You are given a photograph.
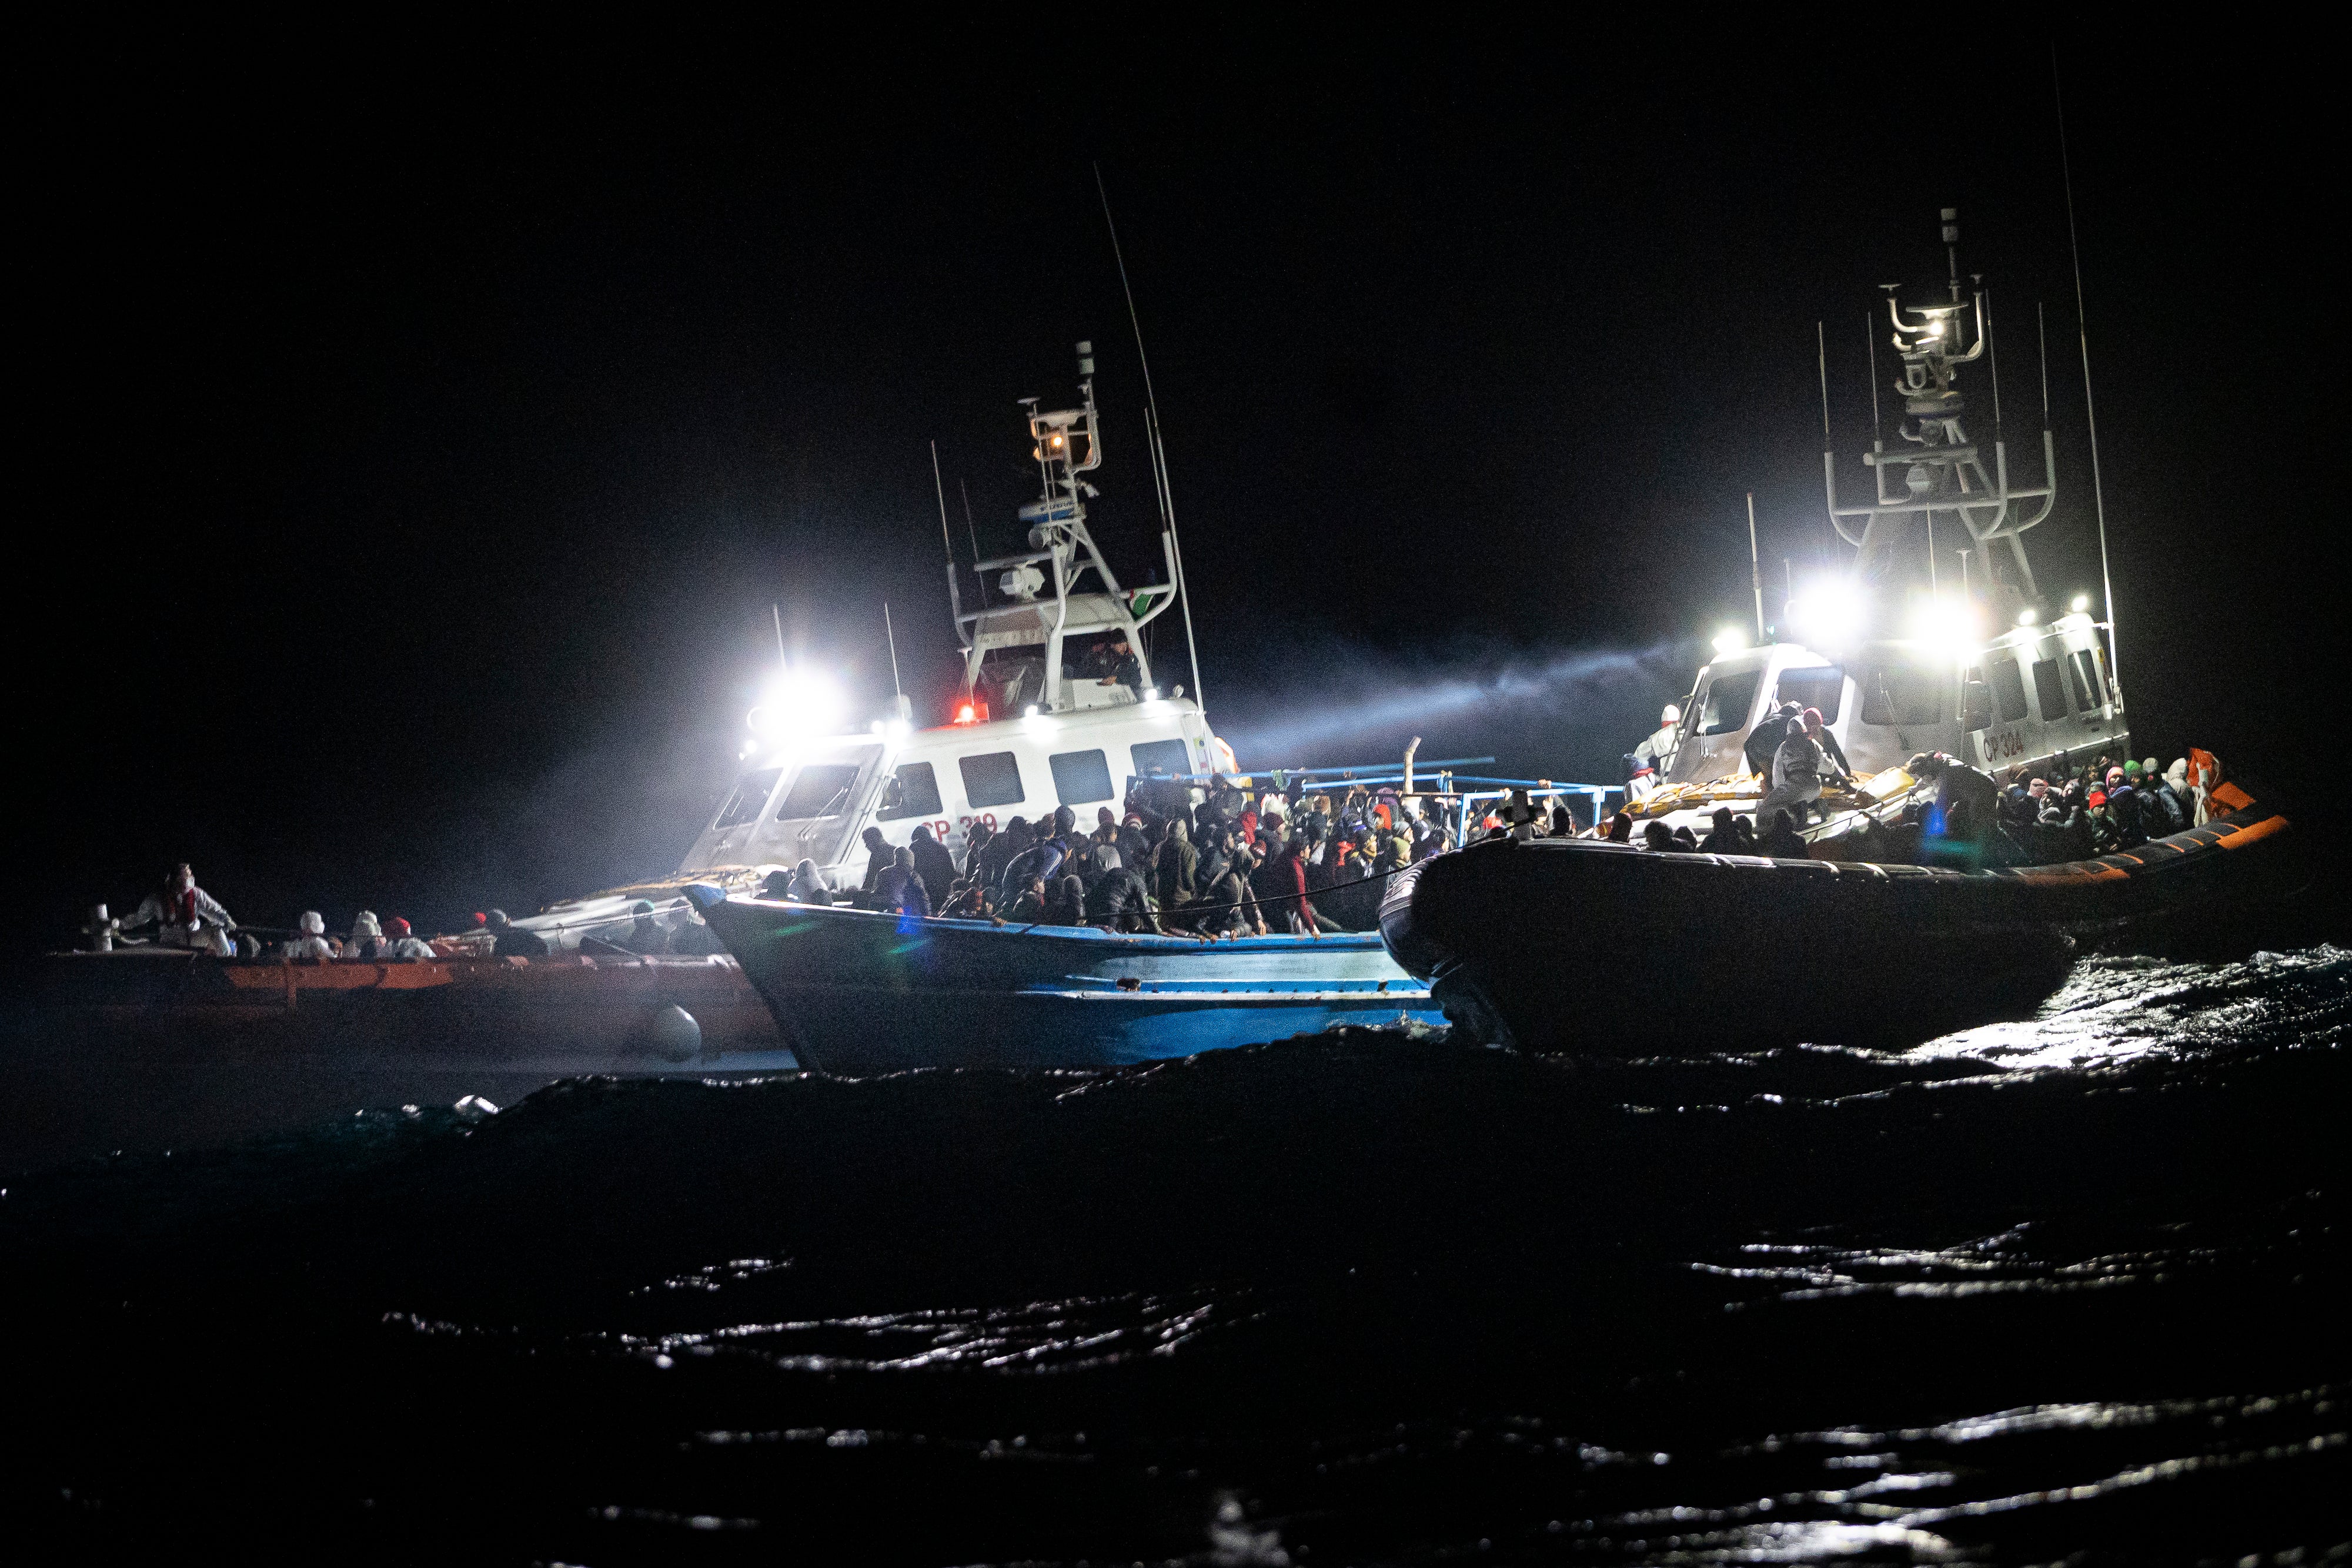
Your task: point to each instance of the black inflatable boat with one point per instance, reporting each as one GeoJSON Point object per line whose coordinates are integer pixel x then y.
{"type": "Point", "coordinates": [1579, 945]}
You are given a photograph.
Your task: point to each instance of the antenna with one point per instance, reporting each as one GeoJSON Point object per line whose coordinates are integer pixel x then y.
{"type": "Point", "coordinates": [777, 610]}
{"type": "Point", "coordinates": [892, 635]}
{"type": "Point", "coordinates": [1755, 571]}
{"type": "Point", "coordinates": [2090, 414]}
{"type": "Point", "coordinates": [1992, 347]}
{"type": "Point", "coordinates": [2041, 357]}
{"type": "Point", "coordinates": [1821, 349]}
{"type": "Point", "coordinates": [1877, 428]}
{"type": "Point", "coordinates": [1159, 449]}
{"type": "Point", "coordinates": [972, 530]}
{"type": "Point", "coordinates": [955, 594]}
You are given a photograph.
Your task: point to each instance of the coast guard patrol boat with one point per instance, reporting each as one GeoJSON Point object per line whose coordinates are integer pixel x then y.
{"type": "Point", "coordinates": [2040, 690]}
{"type": "Point", "coordinates": [1028, 732]}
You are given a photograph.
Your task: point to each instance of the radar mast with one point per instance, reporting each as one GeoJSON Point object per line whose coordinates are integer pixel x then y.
{"type": "Point", "coordinates": [1937, 471]}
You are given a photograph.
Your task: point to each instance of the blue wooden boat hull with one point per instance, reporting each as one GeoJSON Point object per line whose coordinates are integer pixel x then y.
{"type": "Point", "coordinates": [857, 992]}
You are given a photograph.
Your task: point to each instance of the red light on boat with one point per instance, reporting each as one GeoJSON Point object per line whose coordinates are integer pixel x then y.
{"type": "Point", "coordinates": [973, 713]}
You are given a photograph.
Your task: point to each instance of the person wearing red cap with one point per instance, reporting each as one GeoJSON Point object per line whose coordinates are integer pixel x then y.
{"type": "Point", "coordinates": [403, 946]}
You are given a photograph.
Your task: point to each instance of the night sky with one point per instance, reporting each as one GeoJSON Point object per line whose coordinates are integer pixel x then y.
{"type": "Point", "coordinates": [417, 449]}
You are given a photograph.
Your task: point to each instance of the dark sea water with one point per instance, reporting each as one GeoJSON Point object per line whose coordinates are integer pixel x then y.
{"type": "Point", "coordinates": [2068, 1289]}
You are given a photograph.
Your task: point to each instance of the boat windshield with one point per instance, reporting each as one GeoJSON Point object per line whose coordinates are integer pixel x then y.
{"type": "Point", "coordinates": [822, 789]}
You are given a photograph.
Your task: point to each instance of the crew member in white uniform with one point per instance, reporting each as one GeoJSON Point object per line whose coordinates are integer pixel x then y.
{"type": "Point", "coordinates": [1655, 756]}
{"type": "Point", "coordinates": [186, 916]}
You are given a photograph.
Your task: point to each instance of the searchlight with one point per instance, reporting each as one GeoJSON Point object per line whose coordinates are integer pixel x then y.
{"type": "Point", "coordinates": [1730, 640]}
{"type": "Point", "coordinates": [2081, 605]}
{"type": "Point", "coordinates": [1828, 614]}
{"type": "Point", "coordinates": [799, 705]}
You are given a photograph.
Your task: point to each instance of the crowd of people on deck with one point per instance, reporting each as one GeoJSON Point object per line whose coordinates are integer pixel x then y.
{"type": "Point", "coordinates": [1238, 861]}
{"type": "Point", "coordinates": [2033, 817]}
{"type": "Point", "coordinates": [181, 914]}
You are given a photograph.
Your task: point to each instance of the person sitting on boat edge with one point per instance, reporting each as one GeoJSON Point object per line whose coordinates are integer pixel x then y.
{"type": "Point", "coordinates": [310, 943]}
{"type": "Point", "coordinates": [1227, 907]}
{"type": "Point", "coordinates": [1026, 907]}
{"type": "Point", "coordinates": [879, 860]}
{"type": "Point", "coordinates": [401, 944]}
{"type": "Point", "coordinates": [1955, 780]}
{"type": "Point", "coordinates": [645, 936]}
{"type": "Point", "coordinates": [366, 939]}
{"type": "Point", "coordinates": [932, 862]}
{"type": "Point", "coordinates": [185, 915]}
{"type": "Point", "coordinates": [1120, 901]}
{"type": "Point", "coordinates": [1065, 902]}
{"type": "Point", "coordinates": [1723, 839]}
{"type": "Point", "coordinates": [511, 941]}
{"type": "Point", "coordinates": [898, 891]}
{"type": "Point", "coordinates": [1781, 841]}
{"type": "Point", "coordinates": [692, 936]}
{"type": "Point", "coordinates": [2173, 795]}
{"type": "Point", "coordinates": [807, 885]}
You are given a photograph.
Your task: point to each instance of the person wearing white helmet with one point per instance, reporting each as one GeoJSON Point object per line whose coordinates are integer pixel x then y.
{"type": "Point", "coordinates": [366, 940]}
{"type": "Point", "coordinates": [1655, 756]}
{"type": "Point", "coordinates": [309, 945]}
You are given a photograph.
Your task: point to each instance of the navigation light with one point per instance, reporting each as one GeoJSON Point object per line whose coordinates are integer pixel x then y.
{"type": "Point", "coordinates": [2027, 617]}
{"type": "Point", "coordinates": [2082, 604]}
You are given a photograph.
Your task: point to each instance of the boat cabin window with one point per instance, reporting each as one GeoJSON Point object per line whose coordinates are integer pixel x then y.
{"type": "Point", "coordinates": [1902, 694]}
{"type": "Point", "coordinates": [2049, 691]}
{"type": "Point", "coordinates": [2089, 690]}
{"type": "Point", "coordinates": [2009, 690]}
{"type": "Point", "coordinates": [1816, 688]}
{"type": "Point", "coordinates": [913, 792]}
{"type": "Point", "coordinates": [750, 793]}
{"type": "Point", "coordinates": [990, 778]}
{"type": "Point", "coordinates": [1080, 778]}
{"type": "Point", "coordinates": [1728, 698]}
{"type": "Point", "coordinates": [1165, 757]}
{"type": "Point", "coordinates": [821, 791]}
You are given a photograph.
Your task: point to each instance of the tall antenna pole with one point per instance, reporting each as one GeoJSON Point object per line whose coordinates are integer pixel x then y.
{"type": "Point", "coordinates": [1755, 571]}
{"type": "Point", "coordinates": [1159, 450]}
{"type": "Point", "coordinates": [1821, 349]}
{"type": "Point", "coordinates": [971, 529]}
{"type": "Point", "coordinates": [777, 610]}
{"type": "Point", "coordinates": [888, 630]}
{"type": "Point", "coordinates": [2090, 414]}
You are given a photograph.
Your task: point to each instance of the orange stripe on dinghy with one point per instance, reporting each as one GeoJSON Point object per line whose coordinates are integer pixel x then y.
{"type": "Point", "coordinates": [2230, 795]}
{"type": "Point", "coordinates": [2251, 833]}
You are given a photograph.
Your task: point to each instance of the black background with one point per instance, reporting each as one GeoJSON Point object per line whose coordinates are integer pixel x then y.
{"type": "Point", "coordinates": [415, 431]}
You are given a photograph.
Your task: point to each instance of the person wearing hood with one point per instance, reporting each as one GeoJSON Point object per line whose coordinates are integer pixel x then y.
{"type": "Point", "coordinates": [975, 848]}
{"type": "Point", "coordinates": [401, 944]}
{"type": "Point", "coordinates": [1173, 868]}
{"type": "Point", "coordinates": [366, 939]}
{"type": "Point", "coordinates": [645, 936]}
{"type": "Point", "coordinates": [1041, 861]}
{"type": "Point", "coordinates": [309, 943]}
{"type": "Point", "coordinates": [878, 859]}
{"type": "Point", "coordinates": [1655, 757]}
{"type": "Point", "coordinates": [807, 885]}
{"type": "Point", "coordinates": [933, 864]}
{"type": "Point", "coordinates": [2172, 798]}
{"type": "Point", "coordinates": [1120, 901]}
{"type": "Point", "coordinates": [1797, 766]}
{"type": "Point", "coordinates": [511, 941]}
{"type": "Point", "coordinates": [185, 915]}
{"type": "Point", "coordinates": [1002, 846]}
{"type": "Point", "coordinates": [1957, 781]}
{"type": "Point", "coordinates": [899, 890]}
{"type": "Point", "coordinates": [1227, 906]}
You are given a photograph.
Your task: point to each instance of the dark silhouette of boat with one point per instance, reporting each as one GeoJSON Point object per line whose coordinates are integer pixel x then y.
{"type": "Point", "coordinates": [1581, 945]}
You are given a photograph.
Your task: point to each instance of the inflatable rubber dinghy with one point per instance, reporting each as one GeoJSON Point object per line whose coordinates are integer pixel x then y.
{"type": "Point", "coordinates": [1574, 944]}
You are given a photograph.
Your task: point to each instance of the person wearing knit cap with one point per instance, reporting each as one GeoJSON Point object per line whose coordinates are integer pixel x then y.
{"type": "Point", "coordinates": [403, 946]}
